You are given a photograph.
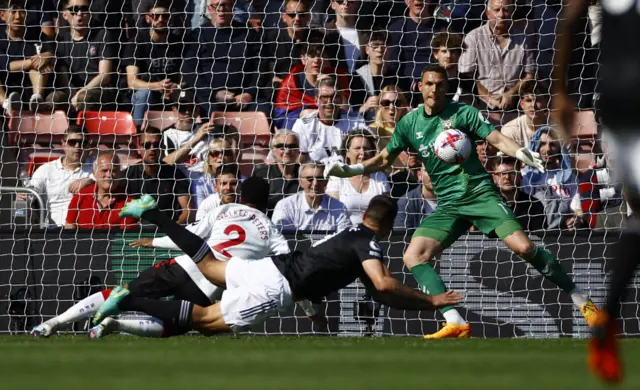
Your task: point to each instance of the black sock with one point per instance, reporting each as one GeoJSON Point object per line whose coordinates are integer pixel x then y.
{"type": "Point", "coordinates": [624, 265]}
{"type": "Point", "coordinates": [194, 246]}
{"type": "Point", "coordinates": [173, 312]}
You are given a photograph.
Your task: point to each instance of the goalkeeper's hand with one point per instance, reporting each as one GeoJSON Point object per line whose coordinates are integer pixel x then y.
{"type": "Point", "coordinates": [530, 158]}
{"type": "Point", "coordinates": [339, 169]}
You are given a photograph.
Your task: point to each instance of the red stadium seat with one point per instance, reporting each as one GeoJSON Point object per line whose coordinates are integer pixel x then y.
{"type": "Point", "coordinates": [29, 127]}
{"type": "Point", "coordinates": [250, 158]}
{"type": "Point", "coordinates": [110, 127]}
{"type": "Point", "coordinates": [253, 127]}
{"type": "Point", "coordinates": [35, 161]}
{"type": "Point", "coordinates": [160, 119]}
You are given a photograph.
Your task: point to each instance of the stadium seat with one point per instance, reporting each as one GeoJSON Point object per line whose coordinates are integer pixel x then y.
{"type": "Point", "coordinates": [36, 160]}
{"type": "Point", "coordinates": [253, 127]}
{"type": "Point", "coordinates": [110, 127]}
{"type": "Point", "coordinates": [251, 158]}
{"type": "Point", "coordinates": [29, 128]}
{"type": "Point", "coordinates": [160, 119]}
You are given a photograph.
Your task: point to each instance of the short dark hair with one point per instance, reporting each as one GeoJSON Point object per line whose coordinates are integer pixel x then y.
{"type": "Point", "coordinates": [498, 160]}
{"type": "Point", "coordinates": [448, 40]}
{"type": "Point", "coordinates": [380, 36]}
{"type": "Point", "coordinates": [436, 68]}
{"type": "Point", "coordinates": [228, 169]}
{"type": "Point", "coordinates": [535, 88]}
{"type": "Point", "coordinates": [74, 129]}
{"type": "Point", "coordinates": [151, 130]}
{"type": "Point", "coordinates": [255, 192]}
{"type": "Point", "coordinates": [159, 4]}
{"type": "Point", "coordinates": [13, 4]}
{"type": "Point", "coordinates": [382, 210]}
{"type": "Point", "coordinates": [305, 3]}
{"type": "Point", "coordinates": [313, 49]}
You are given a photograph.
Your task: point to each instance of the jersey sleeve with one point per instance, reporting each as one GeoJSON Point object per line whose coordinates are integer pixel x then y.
{"type": "Point", "coordinates": [278, 245]}
{"type": "Point", "coordinates": [475, 124]}
{"type": "Point", "coordinates": [298, 128]}
{"type": "Point", "coordinates": [368, 249]}
{"type": "Point", "coordinates": [205, 207]}
{"type": "Point", "coordinates": [399, 140]}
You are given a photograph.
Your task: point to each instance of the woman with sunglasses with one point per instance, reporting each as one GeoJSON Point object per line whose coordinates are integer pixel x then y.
{"type": "Point", "coordinates": [356, 192]}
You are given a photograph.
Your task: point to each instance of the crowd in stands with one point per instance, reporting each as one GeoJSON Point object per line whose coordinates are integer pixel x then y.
{"type": "Point", "coordinates": [333, 78]}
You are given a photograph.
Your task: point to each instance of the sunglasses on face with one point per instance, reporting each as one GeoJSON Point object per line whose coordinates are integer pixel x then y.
{"type": "Point", "coordinates": [388, 103]}
{"type": "Point", "coordinates": [76, 142]}
{"type": "Point", "coordinates": [312, 178]}
{"type": "Point", "coordinates": [293, 15]}
{"type": "Point", "coordinates": [220, 6]}
{"type": "Point", "coordinates": [158, 15]}
{"type": "Point", "coordinates": [151, 145]}
{"type": "Point", "coordinates": [76, 9]}
{"type": "Point", "coordinates": [285, 146]}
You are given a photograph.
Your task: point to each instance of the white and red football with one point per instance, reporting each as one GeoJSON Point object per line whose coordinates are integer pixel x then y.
{"type": "Point", "coordinates": [452, 146]}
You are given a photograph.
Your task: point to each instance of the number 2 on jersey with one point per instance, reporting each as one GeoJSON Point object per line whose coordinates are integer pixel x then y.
{"type": "Point", "coordinates": [221, 247]}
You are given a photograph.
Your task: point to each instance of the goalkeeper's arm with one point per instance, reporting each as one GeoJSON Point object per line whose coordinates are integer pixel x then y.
{"type": "Point", "coordinates": [379, 162]}
{"type": "Point", "coordinates": [391, 292]}
{"type": "Point", "coordinates": [511, 148]}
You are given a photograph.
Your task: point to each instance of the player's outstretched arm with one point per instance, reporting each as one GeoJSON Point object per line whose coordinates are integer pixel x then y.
{"type": "Point", "coordinates": [391, 292]}
{"type": "Point", "coordinates": [379, 162]}
{"type": "Point", "coordinates": [511, 148]}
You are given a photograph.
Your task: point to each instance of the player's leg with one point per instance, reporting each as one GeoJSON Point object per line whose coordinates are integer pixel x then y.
{"type": "Point", "coordinates": [436, 233]}
{"type": "Point", "coordinates": [80, 311]}
{"type": "Point", "coordinates": [491, 216]}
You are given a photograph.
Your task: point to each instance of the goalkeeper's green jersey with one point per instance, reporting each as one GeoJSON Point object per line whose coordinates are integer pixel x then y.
{"type": "Point", "coordinates": [419, 131]}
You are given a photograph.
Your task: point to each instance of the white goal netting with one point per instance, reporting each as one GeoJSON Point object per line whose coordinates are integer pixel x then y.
{"type": "Point", "coordinates": [106, 100]}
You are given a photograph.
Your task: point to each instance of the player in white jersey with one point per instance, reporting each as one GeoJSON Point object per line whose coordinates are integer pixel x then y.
{"type": "Point", "coordinates": [231, 230]}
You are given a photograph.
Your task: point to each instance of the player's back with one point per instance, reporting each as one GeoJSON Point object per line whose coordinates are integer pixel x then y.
{"type": "Point", "coordinates": [242, 231]}
{"type": "Point", "coordinates": [620, 57]}
{"type": "Point", "coordinates": [330, 264]}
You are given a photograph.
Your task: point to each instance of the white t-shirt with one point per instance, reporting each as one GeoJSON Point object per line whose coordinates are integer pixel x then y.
{"type": "Point", "coordinates": [52, 181]}
{"type": "Point", "coordinates": [518, 130]}
{"type": "Point", "coordinates": [207, 206]}
{"type": "Point", "coordinates": [351, 44]}
{"type": "Point", "coordinates": [197, 155]}
{"type": "Point", "coordinates": [294, 213]}
{"type": "Point", "coordinates": [356, 202]}
{"type": "Point", "coordinates": [318, 139]}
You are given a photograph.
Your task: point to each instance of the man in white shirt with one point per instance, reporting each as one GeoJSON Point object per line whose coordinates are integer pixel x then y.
{"type": "Point", "coordinates": [534, 101]}
{"type": "Point", "coordinates": [226, 186]}
{"type": "Point", "coordinates": [321, 132]}
{"type": "Point", "coordinates": [351, 41]}
{"type": "Point", "coordinates": [311, 209]}
{"type": "Point", "coordinates": [58, 180]}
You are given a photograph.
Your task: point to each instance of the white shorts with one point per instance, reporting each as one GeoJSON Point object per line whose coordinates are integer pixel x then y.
{"type": "Point", "coordinates": [256, 290]}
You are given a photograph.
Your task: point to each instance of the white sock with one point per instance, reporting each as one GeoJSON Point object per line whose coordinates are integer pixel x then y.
{"type": "Point", "coordinates": [453, 317]}
{"type": "Point", "coordinates": [81, 310]}
{"type": "Point", "coordinates": [152, 327]}
{"type": "Point", "coordinates": [579, 297]}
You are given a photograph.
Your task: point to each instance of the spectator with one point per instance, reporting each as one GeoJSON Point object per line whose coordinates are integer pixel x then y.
{"type": "Point", "coordinates": [86, 59]}
{"type": "Point", "coordinates": [41, 17]}
{"type": "Point", "coordinates": [557, 187]}
{"type": "Point", "coordinates": [26, 59]}
{"type": "Point", "coordinates": [285, 43]}
{"type": "Point", "coordinates": [311, 209]}
{"type": "Point", "coordinates": [153, 61]}
{"type": "Point", "coordinates": [166, 183]}
{"type": "Point", "coordinates": [356, 192]}
{"type": "Point", "coordinates": [370, 79]}
{"type": "Point", "coordinates": [527, 210]}
{"type": "Point", "coordinates": [227, 178]}
{"type": "Point", "coordinates": [224, 62]}
{"type": "Point", "coordinates": [298, 89]}
{"type": "Point", "coordinates": [320, 133]}
{"type": "Point", "coordinates": [498, 57]}
{"type": "Point", "coordinates": [98, 205]}
{"type": "Point", "coordinates": [410, 37]}
{"type": "Point", "coordinates": [534, 101]}
{"type": "Point", "coordinates": [220, 152]}
{"type": "Point", "coordinates": [349, 41]}
{"type": "Point", "coordinates": [393, 105]}
{"type": "Point", "coordinates": [283, 174]}
{"type": "Point", "coordinates": [58, 180]}
{"type": "Point", "coordinates": [447, 49]}
{"type": "Point", "coordinates": [416, 204]}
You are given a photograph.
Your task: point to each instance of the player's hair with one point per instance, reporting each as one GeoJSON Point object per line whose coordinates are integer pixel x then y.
{"type": "Point", "coordinates": [450, 41]}
{"type": "Point", "coordinates": [228, 169]}
{"type": "Point", "coordinates": [255, 192]}
{"type": "Point", "coordinates": [534, 87]}
{"type": "Point", "coordinates": [310, 164]}
{"type": "Point", "coordinates": [159, 4]}
{"type": "Point", "coordinates": [353, 134]}
{"type": "Point", "coordinates": [436, 68]}
{"type": "Point", "coordinates": [380, 36]}
{"type": "Point", "coordinates": [382, 211]}
{"type": "Point", "coordinates": [74, 129]}
{"type": "Point", "coordinates": [283, 133]}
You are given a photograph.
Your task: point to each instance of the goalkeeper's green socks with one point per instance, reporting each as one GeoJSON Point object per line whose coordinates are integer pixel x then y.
{"type": "Point", "coordinates": [430, 282]}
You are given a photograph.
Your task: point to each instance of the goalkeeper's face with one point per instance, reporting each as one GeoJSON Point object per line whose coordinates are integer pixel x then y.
{"type": "Point", "coordinates": [434, 87]}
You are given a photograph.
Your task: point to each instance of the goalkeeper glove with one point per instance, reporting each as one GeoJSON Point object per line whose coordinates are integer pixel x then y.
{"type": "Point", "coordinates": [530, 158]}
{"type": "Point", "coordinates": [339, 169]}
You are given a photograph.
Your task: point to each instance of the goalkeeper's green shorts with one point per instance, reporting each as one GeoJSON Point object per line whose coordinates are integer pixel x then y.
{"type": "Point", "coordinates": [485, 210]}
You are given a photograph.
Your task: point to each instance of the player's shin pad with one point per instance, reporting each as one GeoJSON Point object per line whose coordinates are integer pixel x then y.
{"type": "Point", "coordinates": [550, 268]}
{"type": "Point", "coordinates": [194, 246]}
{"type": "Point", "coordinates": [174, 312]}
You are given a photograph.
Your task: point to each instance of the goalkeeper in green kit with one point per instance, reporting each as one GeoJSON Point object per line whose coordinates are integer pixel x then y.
{"type": "Point", "coordinates": [466, 196]}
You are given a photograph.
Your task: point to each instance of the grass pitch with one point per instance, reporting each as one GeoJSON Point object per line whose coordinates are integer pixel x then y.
{"type": "Point", "coordinates": [122, 362]}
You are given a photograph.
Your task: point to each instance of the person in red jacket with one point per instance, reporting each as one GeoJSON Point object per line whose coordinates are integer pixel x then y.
{"type": "Point", "coordinates": [297, 91]}
{"type": "Point", "coordinates": [98, 205]}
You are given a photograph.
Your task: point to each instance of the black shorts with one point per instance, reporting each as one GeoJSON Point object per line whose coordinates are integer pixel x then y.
{"type": "Point", "coordinates": [165, 279]}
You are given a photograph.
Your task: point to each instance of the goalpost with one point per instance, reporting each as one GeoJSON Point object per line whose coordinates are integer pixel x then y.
{"type": "Point", "coordinates": [45, 271]}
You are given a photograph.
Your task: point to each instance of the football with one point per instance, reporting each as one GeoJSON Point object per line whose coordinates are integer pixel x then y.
{"type": "Point", "coordinates": [452, 146]}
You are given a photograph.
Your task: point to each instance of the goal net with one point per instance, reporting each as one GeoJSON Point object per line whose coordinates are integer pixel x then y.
{"type": "Point", "coordinates": [106, 100]}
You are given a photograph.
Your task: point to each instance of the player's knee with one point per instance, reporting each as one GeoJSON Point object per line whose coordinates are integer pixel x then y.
{"type": "Point", "coordinates": [411, 259]}
{"type": "Point", "coordinates": [524, 249]}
